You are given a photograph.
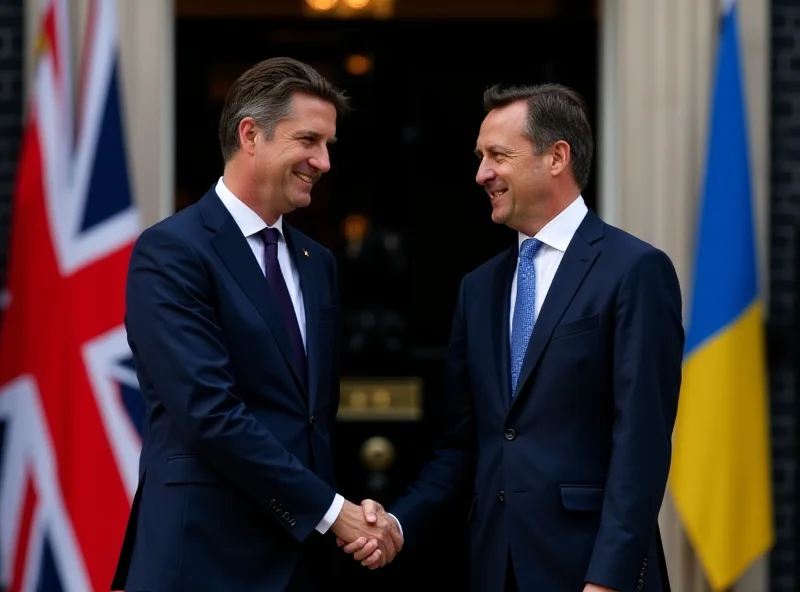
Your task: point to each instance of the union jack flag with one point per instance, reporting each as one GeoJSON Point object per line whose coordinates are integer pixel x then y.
{"type": "Point", "coordinates": [70, 410]}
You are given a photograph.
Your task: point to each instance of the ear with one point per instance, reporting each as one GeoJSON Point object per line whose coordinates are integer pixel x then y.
{"type": "Point", "coordinates": [561, 156]}
{"type": "Point", "coordinates": [248, 133]}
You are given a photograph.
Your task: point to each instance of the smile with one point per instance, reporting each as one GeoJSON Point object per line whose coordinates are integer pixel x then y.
{"type": "Point", "coordinates": [305, 178]}
{"type": "Point", "coordinates": [497, 193]}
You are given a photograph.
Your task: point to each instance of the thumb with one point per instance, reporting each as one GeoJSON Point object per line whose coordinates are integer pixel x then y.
{"type": "Point", "coordinates": [370, 509]}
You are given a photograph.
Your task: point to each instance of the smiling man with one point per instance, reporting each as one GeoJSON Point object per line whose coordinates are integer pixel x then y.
{"type": "Point", "coordinates": [232, 317]}
{"type": "Point", "coordinates": [563, 371]}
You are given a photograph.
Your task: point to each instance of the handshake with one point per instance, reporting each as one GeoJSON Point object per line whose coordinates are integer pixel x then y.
{"type": "Point", "coordinates": [368, 533]}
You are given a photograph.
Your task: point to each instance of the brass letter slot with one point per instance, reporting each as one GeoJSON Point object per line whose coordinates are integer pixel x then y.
{"type": "Point", "coordinates": [380, 399]}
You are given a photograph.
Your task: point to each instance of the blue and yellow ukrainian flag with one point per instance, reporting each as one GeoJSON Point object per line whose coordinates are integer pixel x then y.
{"type": "Point", "coordinates": [720, 478]}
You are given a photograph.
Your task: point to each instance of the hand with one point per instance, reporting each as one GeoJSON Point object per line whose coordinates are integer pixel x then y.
{"type": "Point", "coordinates": [596, 588]}
{"type": "Point", "coordinates": [373, 536]}
{"type": "Point", "coordinates": [367, 552]}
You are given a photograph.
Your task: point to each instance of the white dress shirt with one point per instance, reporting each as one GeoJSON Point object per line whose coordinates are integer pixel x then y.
{"type": "Point", "coordinates": [555, 237]}
{"type": "Point", "coordinates": [251, 224]}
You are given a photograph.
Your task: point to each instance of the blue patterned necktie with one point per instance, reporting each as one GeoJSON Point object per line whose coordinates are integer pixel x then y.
{"type": "Point", "coordinates": [522, 325]}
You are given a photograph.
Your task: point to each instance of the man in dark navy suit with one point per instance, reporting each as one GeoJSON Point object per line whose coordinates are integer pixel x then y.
{"type": "Point", "coordinates": [563, 373]}
{"type": "Point", "coordinates": [232, 320]}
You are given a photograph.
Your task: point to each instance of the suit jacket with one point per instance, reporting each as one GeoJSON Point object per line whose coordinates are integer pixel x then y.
{"type": "Point", "coordinates": [236, 468]}
{"type": "Point", "coordinates": [568, 474]}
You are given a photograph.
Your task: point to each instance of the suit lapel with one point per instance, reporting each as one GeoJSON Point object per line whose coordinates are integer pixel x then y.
{"type": "Point", "coordinates": [578, 259]}
{"type": "Point", "coordinates": [501, 295]}
{"type": "Point", "coordinates": [308, 286]}
{"type": "Point", "coordinates": [232, 247]}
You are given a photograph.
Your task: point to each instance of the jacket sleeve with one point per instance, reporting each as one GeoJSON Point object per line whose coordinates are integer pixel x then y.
{"type": "Point", "coordinates": [648, 353]}
{"type": "Point", "coordinates": [174, 334]}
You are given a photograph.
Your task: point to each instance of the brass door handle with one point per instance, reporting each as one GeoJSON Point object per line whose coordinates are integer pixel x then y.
{"type": "Point", "coordinates": [377, 453]}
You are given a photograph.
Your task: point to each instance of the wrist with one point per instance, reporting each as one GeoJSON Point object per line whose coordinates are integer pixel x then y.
{"type": "Point", "coordinates": [338, 523]}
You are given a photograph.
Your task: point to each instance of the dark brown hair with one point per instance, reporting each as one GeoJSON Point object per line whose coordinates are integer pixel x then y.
{"type": "Point", "coordinates": [555, 113]}
{"type": "Point", "coordinates": [264, 92]}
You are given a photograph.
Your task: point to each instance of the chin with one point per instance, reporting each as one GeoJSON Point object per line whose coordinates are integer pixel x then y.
{"type": "Point", "coordinates": [301, 201]}
{"type": "Point", "coordinates": [499, 216]}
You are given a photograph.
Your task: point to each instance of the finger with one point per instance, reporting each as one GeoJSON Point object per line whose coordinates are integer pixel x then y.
{"type": "Point", "coordinates": [397, 539]}
{"type": "Point", "coordinates": [355, 545]}
{"type": "Point", "coordinates": [370, 509]}
{"type": "Point", "coordinates": [366, 550]}
{"type": "Point", "coordinates": [388, 548]}
{"type": "Point", "coordinates": [385, 560]}
{"type": "Point", "coordinates": [339, 542]}
{"type": "Point", "coordinates": [390, 541]}
{"type": "Point", "coordinates": [373, 560]}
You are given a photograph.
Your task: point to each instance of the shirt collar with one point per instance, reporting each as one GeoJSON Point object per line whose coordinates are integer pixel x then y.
{"type": "Point", "coordinates": [559, 231]}
{"type": "Point", "coordinates": [246, 219]}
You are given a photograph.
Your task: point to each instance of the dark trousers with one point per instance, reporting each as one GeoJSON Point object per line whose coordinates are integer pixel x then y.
{"type": "Point", "coordinates": [318, 568]}
{"type": "Point", "coordinates": [511, 579]}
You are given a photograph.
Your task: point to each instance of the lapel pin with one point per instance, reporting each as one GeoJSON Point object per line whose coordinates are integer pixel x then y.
{"type": "Point", "coordinates": [306, 254]}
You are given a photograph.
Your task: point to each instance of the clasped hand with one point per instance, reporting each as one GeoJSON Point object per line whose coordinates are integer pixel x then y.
{"type": "Point", "coordinates": [372, 536]}
{"type": "Point", "coordinates": [368, 533]}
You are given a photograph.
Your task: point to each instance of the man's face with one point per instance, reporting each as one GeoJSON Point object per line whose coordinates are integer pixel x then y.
{"type": "Point", "coordinates": [289, 163]}
{"type": "Point", "coordinates": [515, 179]}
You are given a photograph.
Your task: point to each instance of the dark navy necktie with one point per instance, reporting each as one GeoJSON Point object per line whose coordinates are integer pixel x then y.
{"type": "Point", "coordinates": [270, 237]}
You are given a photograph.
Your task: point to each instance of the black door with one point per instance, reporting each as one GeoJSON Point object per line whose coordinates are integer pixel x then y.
{"type": "Point", "coordinates": [400, 209]}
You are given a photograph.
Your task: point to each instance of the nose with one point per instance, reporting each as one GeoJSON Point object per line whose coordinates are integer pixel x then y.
{"type": "Point", "coordinates": [321, 160]}
{"type": "Point", "coordinates": [485, 173]}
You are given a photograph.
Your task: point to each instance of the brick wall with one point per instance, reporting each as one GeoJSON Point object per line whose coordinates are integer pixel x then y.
{"type": "Point", "coordinates": [11, 38]}
{"type": "Point", "coordinates": [784, 272]}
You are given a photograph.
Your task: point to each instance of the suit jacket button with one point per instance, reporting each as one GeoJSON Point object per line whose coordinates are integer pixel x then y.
{"type": "Point", "coordinates": [510, 434]}
{"type": "Point", "coordinates": [501, 496]}
{"type": "Point", "coordinates": [312, 421]}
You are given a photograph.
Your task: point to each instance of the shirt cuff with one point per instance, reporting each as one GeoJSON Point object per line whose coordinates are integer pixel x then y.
{"type": "Point", "coordinates": [400, 526]}
{"type": "Point", "coordinates": [331, 515]}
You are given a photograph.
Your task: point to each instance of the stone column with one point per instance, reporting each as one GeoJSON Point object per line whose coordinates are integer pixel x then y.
{"type": "Point", "coordinates": [148, 97]}
{"type": "Point", "coordinates": [657, 67]}
{"type": "Point", "coordinates": [148, 54]}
